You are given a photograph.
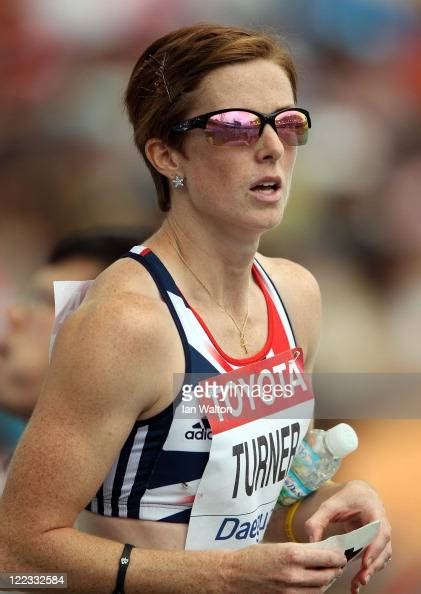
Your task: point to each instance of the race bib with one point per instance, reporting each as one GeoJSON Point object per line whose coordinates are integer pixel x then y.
{"type": "Point", "coordinates": [259, 417]}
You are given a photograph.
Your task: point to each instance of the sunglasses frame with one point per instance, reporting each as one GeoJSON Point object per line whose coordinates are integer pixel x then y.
{"type": "Point", "coordinates": [201, 121]}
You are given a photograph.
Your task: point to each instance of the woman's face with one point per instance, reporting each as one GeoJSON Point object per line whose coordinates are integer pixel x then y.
{"type": "Point", "coordinates": [220, 179]}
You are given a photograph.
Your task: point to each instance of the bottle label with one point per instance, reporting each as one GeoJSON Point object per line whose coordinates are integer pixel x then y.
{"type": "Point", "coordinates": [293, 489]}
{"type": "Point", "coordinates": [303, 464]}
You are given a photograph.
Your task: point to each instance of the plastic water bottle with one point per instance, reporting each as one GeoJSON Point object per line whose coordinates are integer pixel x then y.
{"type": "Point", "coordinates": [317, 460]}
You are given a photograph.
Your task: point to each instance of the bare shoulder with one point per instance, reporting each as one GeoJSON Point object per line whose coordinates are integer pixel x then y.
{"type": "Point", "coordinates": [127, 276]}
{"type": "Point", "coordinates": [122, 330]}
{"type": "Point", "coordinates": [292, 277]}
{"type": "Point", "coordinates": [123, 309]}
{"type": "Point", "coordinates": [300, 293]}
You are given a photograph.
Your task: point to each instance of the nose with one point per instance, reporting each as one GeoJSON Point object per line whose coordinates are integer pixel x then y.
{"type": "Point", "coordinates": [269, 145]}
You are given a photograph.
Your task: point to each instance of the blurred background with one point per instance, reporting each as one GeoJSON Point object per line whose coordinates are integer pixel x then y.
{"type": "Point", "coordinates": [67, 163]}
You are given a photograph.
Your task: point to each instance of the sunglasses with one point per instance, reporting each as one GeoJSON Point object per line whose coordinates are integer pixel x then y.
{"type": "Point", "coordinates": [243, 127]}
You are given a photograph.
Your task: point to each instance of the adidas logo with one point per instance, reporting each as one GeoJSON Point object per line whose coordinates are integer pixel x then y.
{"type": "Point", "coordinates": [200, 430]}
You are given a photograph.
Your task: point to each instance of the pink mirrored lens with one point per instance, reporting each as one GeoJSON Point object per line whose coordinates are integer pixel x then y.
{"type": "Point", "coordinates": [235, 128]}
{"type": "Point", "coordinates": [292, 127]}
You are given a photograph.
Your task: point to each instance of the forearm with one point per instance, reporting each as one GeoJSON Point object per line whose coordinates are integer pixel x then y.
{"type": "Point", "coordinates": [91, 564]}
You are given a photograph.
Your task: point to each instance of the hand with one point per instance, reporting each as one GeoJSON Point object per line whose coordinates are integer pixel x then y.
{"type": "Point", "coordinates": [284, 568]}
{"type": "Point", "coordinates": [356, 504]}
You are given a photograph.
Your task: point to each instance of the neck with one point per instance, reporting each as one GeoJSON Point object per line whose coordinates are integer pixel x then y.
{"type": "Point", "coordinates": [221, 261]}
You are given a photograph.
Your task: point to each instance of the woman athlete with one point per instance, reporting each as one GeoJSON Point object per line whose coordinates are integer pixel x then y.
{"type": "Point", "coordinates": [214, 112]}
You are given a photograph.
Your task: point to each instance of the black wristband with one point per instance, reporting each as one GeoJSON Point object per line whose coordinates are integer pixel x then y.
{"type": "Point", "coordinates": [122, 568]}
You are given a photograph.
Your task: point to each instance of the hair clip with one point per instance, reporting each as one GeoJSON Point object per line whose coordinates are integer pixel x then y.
{"type": "Point", "coordinates": [160, 85]}
{"type": "Point", "coordinates": [161, 73]}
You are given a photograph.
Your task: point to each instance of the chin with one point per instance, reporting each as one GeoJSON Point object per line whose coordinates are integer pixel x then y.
{"type": "Point", "coordinates": [269, 218]}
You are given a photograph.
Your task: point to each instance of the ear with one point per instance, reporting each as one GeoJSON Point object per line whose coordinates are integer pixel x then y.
{"type": "Point", "coordinates": [165, 159]}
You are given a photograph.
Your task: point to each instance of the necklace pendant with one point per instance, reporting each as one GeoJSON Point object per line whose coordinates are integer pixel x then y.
{"type": "Point", "coordinates": [243, 344]}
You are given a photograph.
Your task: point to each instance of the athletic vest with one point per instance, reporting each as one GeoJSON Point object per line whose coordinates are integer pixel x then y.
{"type": "Point", "coordinates": [156, 474]}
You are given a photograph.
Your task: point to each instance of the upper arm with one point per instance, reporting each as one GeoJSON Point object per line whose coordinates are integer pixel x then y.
{"type": "Point", "coordinates": [99, 382]}
{"type": "Point", "coordinates": [300, 294]}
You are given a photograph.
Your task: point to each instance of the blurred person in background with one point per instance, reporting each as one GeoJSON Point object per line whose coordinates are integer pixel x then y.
{"type": "Point", "coordinates": [24, 345]}
{"type": "Point", "coordinates": [108, 403]}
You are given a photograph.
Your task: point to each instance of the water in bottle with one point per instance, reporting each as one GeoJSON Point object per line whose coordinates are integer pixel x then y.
{"type": "Point", "coordinates": [317, 460]}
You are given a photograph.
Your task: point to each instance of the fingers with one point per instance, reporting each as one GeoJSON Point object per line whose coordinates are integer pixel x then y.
{"type": "Point", "coordinates": [367, 571]}
{"type": "Point", "coordinates": [309, 567]}
{"type": "Point", "coordinates": [379, 545]}
{"type": "Point", "coordinates": [355, 501]}
{"type": "Point", "coordinates": [322, 558]}
{"type": "Point", "coordinates": [318, 577]}
{"type": "Point", "coordinates": [318, 522]}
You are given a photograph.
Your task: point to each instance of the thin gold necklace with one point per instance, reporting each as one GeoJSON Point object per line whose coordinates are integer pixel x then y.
{"type": "Point", "coordinates": [241, 329]}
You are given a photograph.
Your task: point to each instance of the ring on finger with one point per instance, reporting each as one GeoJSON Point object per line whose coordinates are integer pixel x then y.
{"type": "Point", "coordinates": [387, 561]}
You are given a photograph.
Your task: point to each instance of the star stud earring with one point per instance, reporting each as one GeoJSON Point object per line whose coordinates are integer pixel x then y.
{"type": "Point", "coordinates": [178, 182]}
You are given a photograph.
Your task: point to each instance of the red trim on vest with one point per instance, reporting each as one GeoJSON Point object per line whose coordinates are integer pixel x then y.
{"type": "Point", "coordinates": [216, 354]}
{"type": "Point", "coordinates": [276, 335]}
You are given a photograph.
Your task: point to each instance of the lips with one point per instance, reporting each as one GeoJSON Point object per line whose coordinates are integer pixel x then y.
{"type": "Point", "coordinates": [267, 189]}
{"type": "Point", "coordinates": [267, 185]}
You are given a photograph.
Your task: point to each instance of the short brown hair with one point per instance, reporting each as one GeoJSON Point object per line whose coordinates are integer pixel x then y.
{"type": "Point", "coordinates": [157, 95]}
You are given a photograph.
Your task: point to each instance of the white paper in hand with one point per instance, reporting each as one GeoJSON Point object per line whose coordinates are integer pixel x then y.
{"type": "Point", "coordinates": [352, 543]}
